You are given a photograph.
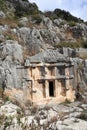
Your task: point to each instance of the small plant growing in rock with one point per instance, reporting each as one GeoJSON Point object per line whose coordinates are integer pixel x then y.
{"type": "Point", "coordinates": [34, 109]}
{"type": "Point", "coordinates": [7, 124]}
{"type": "Point", "coordinates": [83, 116]}
{"type": "Point", "coordinates": [18, 111]}
{"type": "Point", "coordinates": [67, 101]}
{"type": "Point", "coordinates": [7, 99]}
{"type": "Point", "coordinates": [1, 91]}
{"type": "Point", "coordinates": [72, 23]}
{"type": "Point", "coordinates": [53, 119]}
{"type": "Point", "coordinates": [2, 118]}
{"type": "Point", "coordinates": [37, 18]}
{"type": "Point", "coordinates": [85, 110]}
{"type": "Point", "coordinates": [18, 120]}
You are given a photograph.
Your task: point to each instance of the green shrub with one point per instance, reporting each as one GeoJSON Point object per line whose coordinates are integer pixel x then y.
{"type": "Point", "coordinates": [84, 44]}
{"type": "Point", "coordinates": [66, 15]}
{"type": "Point", "coordinates": [50, 14]}
{"type": "Point", "coordinates": [20, 25]}
{"type": "Point", "coordinates": [18, 120]}
{"type": "Point", "coordinates": [2, 5]}
{"type": "Point", "coordinates": [58, 13]}
{"type": "Point", "coordinates": [67, 101]}
{"type": "Point", "coordinates": [37, 18]}
{"type": "Point", "coordinates": [1, 91]}
{"type": "Point", "coordinates": [78, 44]}
{"type": "Point", "coordinates": [66, 44]}
{"type": "Point", "coordinates": [83, 116]}
{"type": "Point", "coordinates": [7, 124]}
{"type": "Point", "coordinates": [26, 9]}
{"type": "Point", "coordinates": [6, 98]}
{"type": "Point", "coordinates": [72, 23]}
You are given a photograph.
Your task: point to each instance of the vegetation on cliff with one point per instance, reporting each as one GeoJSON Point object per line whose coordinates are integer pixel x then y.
{"type": "Point", "coordinates": [58, 28]}
{"type": "Point", "coordinates": [58, 13]}
{"type": "Point", "coordinates": [2, 5]}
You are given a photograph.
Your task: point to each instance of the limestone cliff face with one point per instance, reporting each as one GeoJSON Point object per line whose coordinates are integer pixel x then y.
{"type": "Point", "coordinates": [38, 31]}
{"type": "Point", "coordinates": [22, 37]}
{"type": "Point", "coordinates": [24, 32]}
{"type": "Point", "coordinates": [11, 59]}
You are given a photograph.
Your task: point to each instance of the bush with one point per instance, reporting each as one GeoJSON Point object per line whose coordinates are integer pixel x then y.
{"type": "Point", "coordinates": [26, 9]}
{"type": "Point", "coordinates": [65, 15]}
{"type": "Point", "coordinates": [12, 22]}
{"type": "Point", "coordinates": [50, 14]}
{"type": "Point", "coordinates": [2, 5]}
{"type": "Point", "coordinates": [83, 116]}
{"type": "Point", "coordinates": [34, 109]}
{"type": "Point", "coordinates": [37, 18]}
{"type": "Point", "coordinates": [66, 44]}
{"type": "Point", "coordinates": [1, 92]}
{"type": "Point", "coordinates": [10, 36]}
{"type": "Point", "coordinates": [84, 44]}
{"type": "Point", "coordinates": [78, 44]}
{"type": "Point", "coordinates": [72, 23]}
{"type": "Point", "coordinates": [7, 124]}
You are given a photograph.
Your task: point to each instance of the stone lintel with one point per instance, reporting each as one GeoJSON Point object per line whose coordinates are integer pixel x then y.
{"type": "Point", "coordinates": [52, 65]}
{"type": "Point", "coordinates": [56, 78]}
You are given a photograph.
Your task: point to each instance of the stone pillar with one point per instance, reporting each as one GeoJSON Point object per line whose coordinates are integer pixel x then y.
{"type": "Point", "coordinates": [32, 88]}
{"type": "Point", "coordinates": [47, 88]}
{"type": "Point", "coordinates": [58, 88]}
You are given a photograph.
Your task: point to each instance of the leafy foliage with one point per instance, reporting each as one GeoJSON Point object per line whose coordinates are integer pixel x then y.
{"type": "Point", "coordinates": [2, 5]}
{"type": "Point", "coordinates": [26, 8]}
{"type": "Point", "coordinates": [72, 23]}
{"type": "Point", "coordinates": [58, 13]}
{"type": "Point", "coordinates": [80, 43]}
{"type": "Point", "coordinates": [37, 18]}
{"type": "Point", "coordinates": [83, 116]}
{"type": "Point", "coordinates": [50, 14]}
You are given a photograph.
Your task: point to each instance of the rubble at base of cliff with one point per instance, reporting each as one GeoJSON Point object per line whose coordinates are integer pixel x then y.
{"type": "Point", "coordinates": [64, 116]}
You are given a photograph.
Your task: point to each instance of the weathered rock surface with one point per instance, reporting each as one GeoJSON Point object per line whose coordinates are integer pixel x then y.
{"type": "Point", "coordinates": [23, 21]}
{"type": "Point", "coordinates": [9, 109]}
{"type": "Point", "coordinates": [11, 57]}
{"type": "Point", "coordinates": [67, 116]}
{"type": "Point", "coordinates": [32, 40]}
{"type": "Point", "coordinates": [22, 38]}
{"type": "Point", "coordinates": [2, 14]}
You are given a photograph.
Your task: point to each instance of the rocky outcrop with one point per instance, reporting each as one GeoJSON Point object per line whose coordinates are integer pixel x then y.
{"type": "Point", "coordinates": [2, 14]}
{"type": "Point", "coordinates": [69, 116]}
{"type": "Point", "coordinates": [21, 7]}
{"type": "Point", "coordinates": [35, 38]}
{"type": "Point", "coordinates": [23, 37]}
{"type": "Point", "coordinates": [11, 58]}
{"type": "Point", "coordinates": [32, 40]}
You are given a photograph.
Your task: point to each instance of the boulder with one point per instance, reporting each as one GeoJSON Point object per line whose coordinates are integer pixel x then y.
{"type": "Point", "coordinates": [32, 40]}
{"type": "Point", "coordinates": [23, 21]}
{"type": "Point", "coordinates": [9, 109]}
{"type": "Point", "coordinates": [11, 58]}
{"type": "Point", "coordinates": [2, 14]}
{"type": "Point", "coordinates": [11, 50]}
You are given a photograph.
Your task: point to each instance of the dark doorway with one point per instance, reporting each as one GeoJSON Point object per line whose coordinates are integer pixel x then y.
{"type": "Point", "coordinates": [51, 89]}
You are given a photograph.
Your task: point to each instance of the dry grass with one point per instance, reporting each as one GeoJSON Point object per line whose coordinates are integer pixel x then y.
{"type": "Point", "coordinates": [1, 92]}
{"type": "Point", "coordinates": [54, 119]}
{"type": "Point", "coordinates": [10, 36]}
{"type": "Point", "coordinates": [83, 116]}
{"type": "Point", "coordinates": [12, 23]}
{"type": "Point", "coordinates": [82, 55]}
